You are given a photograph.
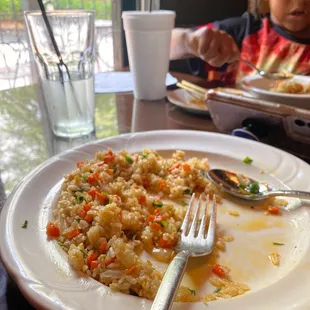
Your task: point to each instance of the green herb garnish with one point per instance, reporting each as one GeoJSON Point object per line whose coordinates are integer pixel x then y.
{"type": "Point", "coordinates": [143, 155]}
{"type": "Point", "coordinates": [183, 203]}
{"type": "Point", "coordinates": [129, 159]}
{"type": "Point", "coordinates": [61, 244]}
{"type": "Point", "coordinates": [277, 243]}
{"type": "Point", "coordinates": [157, 203]}
{"type": "Point", "coordinates": [241, 186]}
{"type": "Point", "coordinates": [247, 160]}
{"type": "Point", "coordinates": [193, 292]}
{"type": "Point", "coordinates": [204, 173]}
{"type": "Point", "coordinates": [25, 225]}
{"type": "Point", "coordinates": [188, 191]}
{"type": "Point", "coordinates": [79, 197]}
{"type": "Point", "coordinates": [78, 219]}
{"type": "Point", "coordinates": [114, 168]}
{"type": "Point", "coordinates": [84, 178]}
{"type": "Point", "coordinates": [253, 188]}
{"type": "Point", "coordinates": [218, 289]}
{"type": "Point", "coordinates": [164, 223]}
{"type": "Point", "coordinates": [84, 254]}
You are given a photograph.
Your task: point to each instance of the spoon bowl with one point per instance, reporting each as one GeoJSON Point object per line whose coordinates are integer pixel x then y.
{"type": "Point", "coordinates": [243, 187]}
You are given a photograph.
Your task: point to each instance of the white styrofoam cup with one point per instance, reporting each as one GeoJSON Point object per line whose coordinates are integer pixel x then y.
{"type": "Point", "coordinates": [148, 38]}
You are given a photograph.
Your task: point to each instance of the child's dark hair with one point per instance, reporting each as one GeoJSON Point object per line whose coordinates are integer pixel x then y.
{"type": "Point", "coordinates": [259, 7]}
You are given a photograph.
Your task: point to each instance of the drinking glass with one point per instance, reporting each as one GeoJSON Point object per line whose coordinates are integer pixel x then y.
{"type": "Point", "coordinates": [69, 86]}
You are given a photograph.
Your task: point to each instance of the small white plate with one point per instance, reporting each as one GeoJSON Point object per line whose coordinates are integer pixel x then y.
{"type": "Point", "coordinates": [260, 87]}
{"type": "Point", "coordinates": [185, 100]}
{"type": "Point", "coordinates": [41, 268]}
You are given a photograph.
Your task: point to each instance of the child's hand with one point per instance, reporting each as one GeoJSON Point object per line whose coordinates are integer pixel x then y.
{"type": "Point", "coordinates": [214, 46]}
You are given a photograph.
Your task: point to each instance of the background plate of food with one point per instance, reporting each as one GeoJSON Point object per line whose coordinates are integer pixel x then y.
{"type": "Point", "coordinates": [188, 101]}
{"type": "Point", "coordinates": [97, 225]}
{"type": "Point", "coordinates": [295, 91]}
{"type": "Point", "coordinates": [196, 103]}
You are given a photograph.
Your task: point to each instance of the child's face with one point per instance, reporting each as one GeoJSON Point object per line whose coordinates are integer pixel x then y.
{"type": "Point", "coordinates": [293, 15]}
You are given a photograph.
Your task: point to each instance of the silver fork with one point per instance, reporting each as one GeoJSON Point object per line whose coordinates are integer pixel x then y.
{"type": "Point", "coordinates": [193, 242]}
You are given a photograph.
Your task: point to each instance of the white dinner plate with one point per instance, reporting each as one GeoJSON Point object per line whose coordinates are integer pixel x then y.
{"type": "Point", "coordinates": [41, 270]}
{"type": "Point", "coordinates": [185, 100]}
{"type": "Point", "coordinates": [260, 87]}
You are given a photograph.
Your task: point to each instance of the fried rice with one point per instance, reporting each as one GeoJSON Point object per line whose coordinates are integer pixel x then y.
{"type": "Point", "coordinates": [291, 87]}
{"type": "Point", "coordinates": [116, 207]}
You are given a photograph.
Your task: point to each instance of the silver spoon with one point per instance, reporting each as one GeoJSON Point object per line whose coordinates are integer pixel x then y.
{"type": "Point", "coordinates": [244, 187]}
{"type": "Point", "coordinates": [269, 76]}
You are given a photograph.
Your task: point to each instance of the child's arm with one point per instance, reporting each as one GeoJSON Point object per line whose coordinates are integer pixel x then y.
{"type": "Point", "coordinates": [216, 47]}
{"type": "Point", "coordinates": [179, 45]}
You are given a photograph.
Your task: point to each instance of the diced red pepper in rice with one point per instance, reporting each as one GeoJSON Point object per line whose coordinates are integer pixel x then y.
{"type": "Point", "coordinates": [220, 270]}
{"type": "Point", "coordinates": [103, 246]}
{"type": "Point", "coordinates": [92, 193]}
{"type": "Point", "coordinates": [79, 164]}
{"type": "Point", "coordinates": [93, 178]}
{"type": "Point", "coordinates": [150, 218]}
{"type": "Point", "coordinates": [102, 197]}
{"type": "Point", "coordinates": [274, 210]}
{"type": "Point", "coordinates": [82, 213]}
{"type": "Point", "coordinates": [110, 261]}
{"type": "Point", "coordinates": [142, 200]}
{"type": "Point", "coordinates": [109, 157]}
{"type": "Point", "coordinates": [87, 207]}
{"type": "Point", "coordinates": [162, 184]}
{"type": "Point", "coordinates": [91, 258]}
{"type": "Point", "coordinates": [156, 211]}
{"type": "Point", "coordinates": [155, 226]}
{"type": "Point", "coordinates": [175, 166]}
{"type": "Point", "coordinates": [52, 230]}
{"type": "Point", "coordinates": [166, 244]}
{"type": "Point", "coordinates": [131, 270]}
{"type": "Point", "coordinates": [73, 233]}
{"type": "Point", "coordinates": [88, 218]}
{"type": "Point", "coordinates": [186, 167]}
{"type": "Point", "coordinates": [94, 264]}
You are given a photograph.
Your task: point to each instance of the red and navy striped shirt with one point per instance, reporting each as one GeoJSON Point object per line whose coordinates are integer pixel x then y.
{"type": "Point", "coordinates": [262, 42]}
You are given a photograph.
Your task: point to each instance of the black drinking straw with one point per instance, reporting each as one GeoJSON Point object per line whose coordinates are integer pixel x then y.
{"type": "Point", "coordinates": [61, 63]}
{"type": "Point", "coordinates": [151, 5]}
{"type": "Point", "coordinates": [51, 34]}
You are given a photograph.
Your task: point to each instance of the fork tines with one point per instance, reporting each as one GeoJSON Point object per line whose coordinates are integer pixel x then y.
{"type": "Point", "coordinates": [194, 229]}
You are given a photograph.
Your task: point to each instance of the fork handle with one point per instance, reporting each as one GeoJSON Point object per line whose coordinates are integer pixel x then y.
{"type": "Point", "coordinates": [171, 282]}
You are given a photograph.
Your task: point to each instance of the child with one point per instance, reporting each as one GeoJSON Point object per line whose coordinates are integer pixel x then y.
{"type": "Point", "coordinates": [280, 41]}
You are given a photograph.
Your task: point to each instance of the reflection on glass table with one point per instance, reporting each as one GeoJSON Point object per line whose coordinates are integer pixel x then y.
{"type": "Point", "coordinates": [26, 136]}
